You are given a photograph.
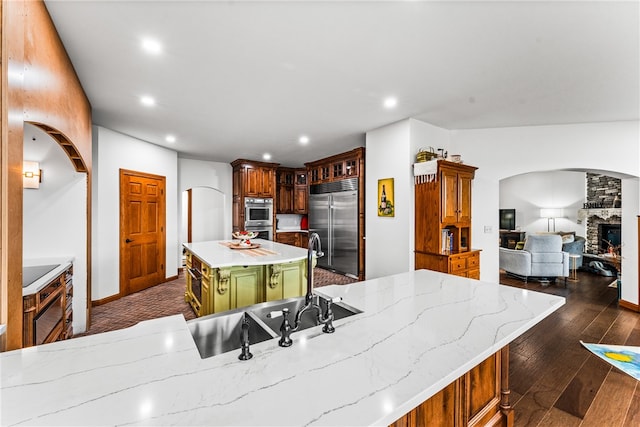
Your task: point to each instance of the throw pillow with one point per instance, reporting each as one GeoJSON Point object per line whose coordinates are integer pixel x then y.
{"type": "Point", "coordinates": [568, 238]}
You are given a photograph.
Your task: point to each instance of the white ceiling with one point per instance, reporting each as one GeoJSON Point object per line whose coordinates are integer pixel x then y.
{"type": "Point", "coordinates": [237, 79]}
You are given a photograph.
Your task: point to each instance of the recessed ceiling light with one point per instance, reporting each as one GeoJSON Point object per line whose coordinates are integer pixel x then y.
{"type": "Point", "coordinates": [304, 139]}
{"type": "Point", "coordinates": [390, 102]}
{"type": "Point", "coordinates": [266, 156]}
{"type": "Point", "coordinates": [170, 139]}
{"type": "Point", "coordinates": [151, 46]}
{"type": "Point", "coordinates": [148, 101]}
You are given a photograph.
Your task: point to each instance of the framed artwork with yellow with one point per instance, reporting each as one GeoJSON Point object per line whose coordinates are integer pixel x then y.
{"type": "Point", "coordinates": [386, 204]}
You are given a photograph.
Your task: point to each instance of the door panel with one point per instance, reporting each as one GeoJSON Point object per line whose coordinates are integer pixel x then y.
{"type": "Point", "coordinates": [319, 223]}
{"type": "Point", "coordinates": [344, 238]}
{"type": "Point", "coordinates": [142, 235]}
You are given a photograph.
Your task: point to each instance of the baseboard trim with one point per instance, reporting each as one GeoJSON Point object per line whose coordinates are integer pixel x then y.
{"type": "Point", "coordinates": [110, 298]}
{"type": "Point", "coordinates": [169, 279]}
{"type": "Point", "coordinates": [629, 305]}
{"type": "Point", "coordinates": [114, 297]}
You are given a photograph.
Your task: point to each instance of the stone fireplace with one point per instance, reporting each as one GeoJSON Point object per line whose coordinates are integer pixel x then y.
{"type": "Point", "coordinates": [603, 212]}
{"type": "Point", "coordinates": [611, 233]}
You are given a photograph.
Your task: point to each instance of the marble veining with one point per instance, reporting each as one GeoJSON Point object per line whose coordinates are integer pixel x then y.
{"type": "Point", "coordinates": [418, 332]}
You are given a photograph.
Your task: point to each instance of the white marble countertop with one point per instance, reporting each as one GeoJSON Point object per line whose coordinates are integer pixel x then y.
{"type": "Point", "coordinates": [419, 332]}
{"type": "Point", "coordinates": [216, 255]}
{"type": "Point", "coordinates": [63, 264]}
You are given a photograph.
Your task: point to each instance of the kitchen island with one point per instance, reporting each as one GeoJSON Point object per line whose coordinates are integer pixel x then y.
{"type": "Point", "coordinates": [221, 276]}
{"type": "Point", "coordinates": [419, 332]}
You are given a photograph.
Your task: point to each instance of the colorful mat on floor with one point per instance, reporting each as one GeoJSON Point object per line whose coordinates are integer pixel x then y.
{"type": "Point", "coordinates": [624, 357]}
{"type": "Point", "coordinates": [251, 252]}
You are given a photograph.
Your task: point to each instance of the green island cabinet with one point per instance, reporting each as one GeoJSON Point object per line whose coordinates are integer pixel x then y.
{"type": "Point", "coordinates": [212, 290]}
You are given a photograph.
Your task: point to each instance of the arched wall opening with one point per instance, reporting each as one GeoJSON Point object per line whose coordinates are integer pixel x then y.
{"type": "Point", "coordinates": [55, 216]}
{"type": "Point", "coordinates": [570, 192]}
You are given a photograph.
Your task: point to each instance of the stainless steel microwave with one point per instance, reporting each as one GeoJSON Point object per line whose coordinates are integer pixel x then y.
{"type": "Point", "coordinates": [258, 212]}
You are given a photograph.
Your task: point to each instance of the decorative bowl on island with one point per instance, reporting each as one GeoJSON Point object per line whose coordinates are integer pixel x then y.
{"type": "Point", "coordinates": [244, 236]}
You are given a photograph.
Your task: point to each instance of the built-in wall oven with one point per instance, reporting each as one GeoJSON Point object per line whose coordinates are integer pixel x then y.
{"type": "Point", "coordinates": [258, 217]}
{"type": "Point", "coordinates": [258, 212]}
{"type": "Point", "coordinates": [263, 233]}
{"type": "Point", "coordinates": [48, 321]}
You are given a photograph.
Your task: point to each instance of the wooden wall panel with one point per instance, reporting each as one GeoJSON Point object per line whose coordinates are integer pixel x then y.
{"type": "Point", "coordinates": [11, 156]}
{"type": "Point", "coordinates": [53, 93]}
{"type": "Point", "coordinates": [39, 85]}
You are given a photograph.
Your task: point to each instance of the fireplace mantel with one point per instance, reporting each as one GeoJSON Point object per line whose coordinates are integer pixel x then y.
{"type": "Point", "coordinates": [604, 213]}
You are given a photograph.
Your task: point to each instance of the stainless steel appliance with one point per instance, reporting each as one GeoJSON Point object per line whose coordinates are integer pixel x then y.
{"type": "Point", "coordinates": [258, 212]}
{"type": "Point", "coordinates": [265, 233]}
{"type": "Point", "coordinates": [333, 214]}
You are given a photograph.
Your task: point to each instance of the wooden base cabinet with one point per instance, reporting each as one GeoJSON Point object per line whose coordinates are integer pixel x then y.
{"type": "Point", "coordinates": [478, 398]}
{"type": "Point", "coordinates": [48, 314]}
{"type": "Point", "coordinates": [465, 264]}
{"type": "Point", "coordinates": [213, 290]}
{"type": "Point", "coordinates": [293, 238]}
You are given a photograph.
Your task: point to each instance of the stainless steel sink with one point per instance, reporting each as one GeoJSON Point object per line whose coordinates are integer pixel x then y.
{"type": "Point", "coordinates": [308, 320]}
{"type": "Point", "coordinates": [219, 333]}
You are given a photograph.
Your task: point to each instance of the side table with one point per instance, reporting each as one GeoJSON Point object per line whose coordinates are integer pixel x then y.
{"type": "Point", "coordinates": [573, 259]}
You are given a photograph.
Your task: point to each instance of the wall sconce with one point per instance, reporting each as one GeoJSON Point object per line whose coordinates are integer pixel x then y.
{"type": "Point", "coordinates": [32, 174]}
{"type": "Point", "coordinates": [551, 214]}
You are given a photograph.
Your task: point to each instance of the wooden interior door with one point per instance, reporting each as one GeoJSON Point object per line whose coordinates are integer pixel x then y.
{"type": "Point", "coordinates": [142, 231]}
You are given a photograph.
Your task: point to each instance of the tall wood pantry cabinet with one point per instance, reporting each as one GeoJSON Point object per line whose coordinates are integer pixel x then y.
{"type": "Point", "coordinates": [443, 222]}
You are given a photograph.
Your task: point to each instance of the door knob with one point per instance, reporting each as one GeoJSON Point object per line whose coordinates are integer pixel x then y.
{"type": "Point", "coordinates": [128, 241]}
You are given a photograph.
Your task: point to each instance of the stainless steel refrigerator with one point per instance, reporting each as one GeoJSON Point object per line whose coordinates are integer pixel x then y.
{"type": "Point", "coordinates": [333, 214]}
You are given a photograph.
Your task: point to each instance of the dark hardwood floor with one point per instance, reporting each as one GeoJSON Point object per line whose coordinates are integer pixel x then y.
{"type": "Point", "coordinates": [554, 380]}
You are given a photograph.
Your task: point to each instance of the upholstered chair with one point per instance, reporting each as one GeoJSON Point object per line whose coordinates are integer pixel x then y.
{"type": "Point", "coordinates": [541, 257]}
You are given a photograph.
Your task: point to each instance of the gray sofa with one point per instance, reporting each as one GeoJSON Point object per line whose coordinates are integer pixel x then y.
{"type": "Point", "coordinates": [541, 257]}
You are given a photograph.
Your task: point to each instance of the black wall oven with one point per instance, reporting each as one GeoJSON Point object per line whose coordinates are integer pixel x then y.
{"type": "Point", "coordinates": [48, 321]}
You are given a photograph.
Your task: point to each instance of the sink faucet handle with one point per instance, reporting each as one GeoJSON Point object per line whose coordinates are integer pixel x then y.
{"type": "Point", "coordinates": [245, 354]}
{"type": "Point", "coordinates": [285, 329]}
{"type": "Point", "coordinates": [275, 314]}
{"type": "Point", "coordinates": [328, 327]}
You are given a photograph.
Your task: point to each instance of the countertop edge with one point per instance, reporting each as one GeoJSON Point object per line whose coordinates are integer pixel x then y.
{"type": "Point", "coordinates": [36, 286]}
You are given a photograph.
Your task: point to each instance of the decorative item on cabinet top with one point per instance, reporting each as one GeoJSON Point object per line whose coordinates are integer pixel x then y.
{"type": "Point", "coordinates": [425, 154]}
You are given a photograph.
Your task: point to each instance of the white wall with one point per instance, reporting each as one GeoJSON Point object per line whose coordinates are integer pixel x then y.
{"type": "Point", "coordinates": [528, 193]}
{"type": "Point", "coordinates": [390, 152]}
{"type": "Point", "coordinates": [208, 209]}
{"type": "Point", "coordinates": [630, 275]}
{"type": "Point", "coordinates": [55, 216]}
{"type": "Point", "coordinates": [215, 175]}
{"type": "Point", "coordinates": [113, 151]}
{"type": "Point", "coordinates": [505, 152]}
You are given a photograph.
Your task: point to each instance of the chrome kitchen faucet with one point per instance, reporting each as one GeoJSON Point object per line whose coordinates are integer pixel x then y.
{"type": "Point", "coordinates": [311, 301]}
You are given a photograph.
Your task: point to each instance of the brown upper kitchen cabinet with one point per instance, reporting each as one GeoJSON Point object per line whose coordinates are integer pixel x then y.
{"type": "Point", "coordinates": [456, 195]}
{"type": "Point", "coordinates": [300, 191]}
{"type": "Point", "coordinates": [284, 190]}
{"type": "Point", "coordinates": [259, 181]}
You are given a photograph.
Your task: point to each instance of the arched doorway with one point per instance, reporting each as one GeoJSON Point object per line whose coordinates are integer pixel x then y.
{"type": "Point", "coordinates": [203, 216]}
{"type": "Point", "coordinates": [56, 217]}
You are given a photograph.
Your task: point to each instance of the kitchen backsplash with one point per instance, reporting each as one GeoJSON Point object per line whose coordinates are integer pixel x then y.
{"type": "Point", "coordinates": [288, 221]}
